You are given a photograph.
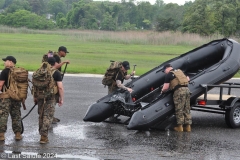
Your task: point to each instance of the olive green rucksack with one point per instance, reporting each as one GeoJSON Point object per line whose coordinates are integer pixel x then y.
{"type": "Point", "coordinates": [113, 69]}
{"type": "Point", "coordinates": [43, 82]}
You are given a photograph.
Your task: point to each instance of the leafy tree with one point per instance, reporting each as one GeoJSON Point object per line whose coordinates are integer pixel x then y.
{"type": "Point", "coordinates": [75, 15]}
{"type": "Point", "coordinates": [7, 3]}
{"type": "Point", "coordinates": [164, 24]}
{"type": "Point", "coordinates": [69, 3]}
{"type": "Point", "coordinates": [199, 19]}
{"type": "Point", "coordinates": [2, 2]}
{"type": "Point", "coordinates": [128, 26]}
{"type": "Point", "coordinates": [37, 6]}
{"type": "Point", "coordinates": [144, 15]}
{"type": "Point", "coordinates": [108, 23]}
{"type": "Point", "coordinates": [225, 15]}
{"type": "Point", "coordinates": [23, 18]}
{"type": "Point", "coordinates": [61, 20]}
{"type": "Point", "coordinates": [18, 5]}
{"type": "Point", "coordinates": [159, 3]}
{"type": "Point", "coordinates": [170, 17]}
{"type": "Point", "coordinates": [56, 6]}
{"type": "Point", "coordinates": [238, 19]}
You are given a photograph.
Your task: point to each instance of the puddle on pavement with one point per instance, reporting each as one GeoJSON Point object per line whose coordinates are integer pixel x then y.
{"type": "Point", "coordinates": [70, 131]}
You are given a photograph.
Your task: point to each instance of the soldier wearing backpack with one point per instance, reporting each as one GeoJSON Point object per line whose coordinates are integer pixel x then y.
{"type": "Point", "coordinates": [118, 79]}
{"type": "Point", "coordinates": [7, 104]}
{"type": "Point", "coordinates": [62, 52]}
{"type": "Point", "coordinates": [44, 95]}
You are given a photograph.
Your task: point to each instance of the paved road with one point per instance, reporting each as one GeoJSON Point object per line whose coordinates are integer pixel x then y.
{"type": "Point", "coordinates": [72, 138]}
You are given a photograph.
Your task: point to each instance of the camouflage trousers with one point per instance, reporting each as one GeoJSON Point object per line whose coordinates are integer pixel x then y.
{"type": "Point", "coordinates": [46, 111]}
{"type": "Point", "coordinates": [9, 106]}
{"type": "Point", "coordinates": [181, 98]}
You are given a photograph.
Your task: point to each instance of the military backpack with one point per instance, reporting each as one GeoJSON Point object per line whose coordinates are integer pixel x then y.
{"type": "Point", "coordinates": [43, 82]}
{"type": "Point", "coordinates": [111, 73]}
{"type": "Point", "coordinates": [18, 84]}
{"type": "Point", "coordinates": [49, 54]}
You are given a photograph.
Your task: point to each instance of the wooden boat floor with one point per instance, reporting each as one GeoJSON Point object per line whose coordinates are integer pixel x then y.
{"type": "Point", "coordinates": [215, 97]}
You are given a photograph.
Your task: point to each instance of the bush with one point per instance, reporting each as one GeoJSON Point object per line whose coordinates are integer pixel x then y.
{"type": "Point", "coordinates": [23, 18]}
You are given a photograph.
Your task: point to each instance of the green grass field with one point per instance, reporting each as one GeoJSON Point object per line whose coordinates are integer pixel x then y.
{"type": "Point", "coordinates": [86, 55]}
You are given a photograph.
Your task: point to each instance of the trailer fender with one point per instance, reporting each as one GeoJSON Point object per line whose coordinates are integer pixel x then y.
{"type": "Point", "coordinates": [230, 102]}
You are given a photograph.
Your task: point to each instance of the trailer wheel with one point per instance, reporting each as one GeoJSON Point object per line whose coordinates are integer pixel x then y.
{"type": "Point", "coordinates": [232, 116]}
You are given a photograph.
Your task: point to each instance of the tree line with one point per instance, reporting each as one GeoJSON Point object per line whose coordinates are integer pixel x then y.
{"type": "Point", "coordinates": [204, 17]}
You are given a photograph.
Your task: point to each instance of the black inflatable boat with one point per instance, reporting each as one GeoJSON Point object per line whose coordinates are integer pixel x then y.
{"type": "Point", "coordinates": [212, 63]}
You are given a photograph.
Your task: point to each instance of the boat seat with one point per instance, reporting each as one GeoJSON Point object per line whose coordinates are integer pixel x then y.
{"type": "Point", "coordinates": [215, 97]}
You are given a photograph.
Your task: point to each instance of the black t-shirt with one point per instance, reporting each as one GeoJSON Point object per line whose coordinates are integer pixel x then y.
{"type": "Point", "coordinates": [4, 76]}
{"type": "Point", "coordinates": [120, 76]}
{"type": "Point", "coordinates": [57, 76]}
{"type": "Point", "coordinates": [58, 60]}
{"type": "Point", "coordinates": [170, 76]}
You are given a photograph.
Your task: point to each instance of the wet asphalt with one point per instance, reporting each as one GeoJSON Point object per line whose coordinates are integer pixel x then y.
{"type": "Point", "coordinates": [72, 138]}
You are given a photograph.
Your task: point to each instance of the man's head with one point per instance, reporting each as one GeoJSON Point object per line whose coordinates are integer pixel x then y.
{"type": "Point", "coordinates": [9, 61]}
{"type": "Point", "coordinates": [51, 61]}
{"type": "Point", "coordinates": [167, 68]}
{"type": "Point", "coordinates": [62, 51]}
{"type": "Point", "coordinates": [126, 65]}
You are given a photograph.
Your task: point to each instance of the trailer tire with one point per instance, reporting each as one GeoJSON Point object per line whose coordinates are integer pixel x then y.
{"type": "Point", "coordinates": [232, 116]}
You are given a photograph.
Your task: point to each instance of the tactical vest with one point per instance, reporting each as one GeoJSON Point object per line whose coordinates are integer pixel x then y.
{"type": "Point", "coordinates": [180, 79]}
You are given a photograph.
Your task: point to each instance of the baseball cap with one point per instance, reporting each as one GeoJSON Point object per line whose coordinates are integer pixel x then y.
{"type": "Point", "coordinates": [166, 66]}
{"type": "Point", "coordinates": [125, 64]}
{"type": "Point", "coordinates": [10, 58]}
{"type": "Point", "coordinates": [51, 60]}
{"type": "Point", "coordinates": [62, 48]}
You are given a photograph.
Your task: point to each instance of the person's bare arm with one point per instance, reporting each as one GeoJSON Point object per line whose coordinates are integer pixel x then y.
{"type": "Point", "coordinates": [120, 85]}
{"type": "Point", "coordinates": [58, 65]}
{"type": "Point", "coordinates": [165, 87]}
{"type": "Point", "coordinates": [61, 93]}
{"type": "Point", "coordinates": [129, 75]}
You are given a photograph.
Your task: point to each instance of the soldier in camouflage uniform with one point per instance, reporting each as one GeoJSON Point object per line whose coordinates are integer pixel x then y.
{"type": "Point", "coordinates": [62, 52]}
{"type": "Point", "coordinates": [181, 97]}
{"type": "Point", "coordinates": [119, 77]}
{"type": "Point", "coordinates": [46, 106]}
{"type": "Point", "coordinates": [7, 104]}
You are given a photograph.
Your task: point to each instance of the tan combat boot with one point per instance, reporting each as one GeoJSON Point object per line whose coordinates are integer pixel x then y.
{"type": "Point", "coordinates": [187, 128]}
{"type": "Point", "coordinates": [2, 138]}
{"type": "Point", "coordinates": [44, 139]}
{"type": "Point", "coordinates": [179, 128]}
{"type": "Point", "coordinates": [18, 136]}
